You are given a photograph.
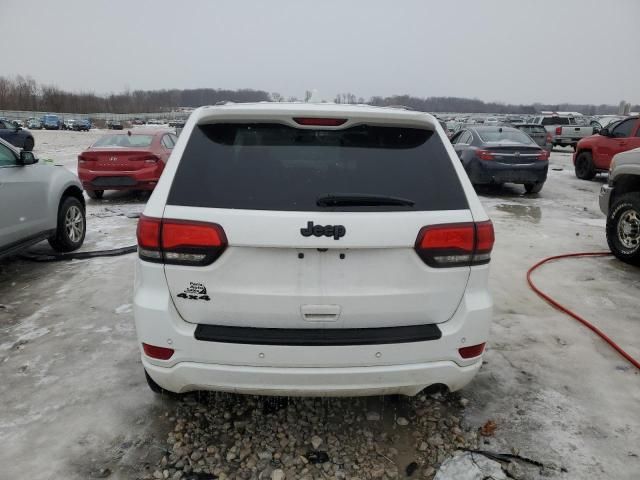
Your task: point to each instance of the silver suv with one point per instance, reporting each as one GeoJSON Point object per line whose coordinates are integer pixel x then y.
{"type": "Point", "coordinates": [620, 202]}
{"type": "Point", "coordinates": [39, 202]}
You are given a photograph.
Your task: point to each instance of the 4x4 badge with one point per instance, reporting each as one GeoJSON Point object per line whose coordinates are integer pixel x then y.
{"type": "Point", "coordinates": [195, 291]}
{"type": "Point", "coordinates": [335, 231]}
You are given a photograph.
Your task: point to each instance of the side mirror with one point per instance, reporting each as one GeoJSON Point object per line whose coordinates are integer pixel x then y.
{"type": "Point", "coordinates": [604, 132]}
{"type": "Point", "coordinates": [27, 158]}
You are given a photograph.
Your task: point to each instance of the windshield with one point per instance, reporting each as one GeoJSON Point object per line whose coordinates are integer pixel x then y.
{"type": "Point", "coordinates": [504, 135]}
{"type": "Point", "coordinates": [609, 121]}
{"type": "Point", "coordinates": [124, 140]}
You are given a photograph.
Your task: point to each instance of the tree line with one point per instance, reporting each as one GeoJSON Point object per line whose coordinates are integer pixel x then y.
{"type": "Point", "coordinates": [24, 93]}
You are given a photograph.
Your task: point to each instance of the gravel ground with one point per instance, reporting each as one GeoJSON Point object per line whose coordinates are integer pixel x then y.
{"type": "Point", "coordinates": [76, 406]}
{"type": "Point", "coordinates": [228, 436]}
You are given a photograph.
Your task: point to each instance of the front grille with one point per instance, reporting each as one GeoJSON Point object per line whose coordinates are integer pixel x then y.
{"type": "Point", "coordinates": [113, 182]}
{"type": "Point", "coordinates": [317, 336]}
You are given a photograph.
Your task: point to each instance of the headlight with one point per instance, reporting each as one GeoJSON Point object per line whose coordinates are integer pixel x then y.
{"type": "Point", "coordinates": [612, 165]}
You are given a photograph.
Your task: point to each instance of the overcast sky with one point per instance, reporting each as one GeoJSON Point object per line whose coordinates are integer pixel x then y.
{"type": "Point", "coordinates": [582, 51]}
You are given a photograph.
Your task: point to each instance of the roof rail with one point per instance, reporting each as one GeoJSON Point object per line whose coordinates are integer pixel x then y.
{"type": "Point", "coordinates": [401, 107]}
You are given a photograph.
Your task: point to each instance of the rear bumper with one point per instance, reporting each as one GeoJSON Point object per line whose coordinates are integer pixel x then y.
{"type": "Point", "coordinates": [567, 141]}
{"type": "Point", "coordinates": [144, 179]}
{"type": "Point", "coordinates": [486, 172]}
{"type": "Point", "coordinates": [303, 370]}
{"type": "Point", "coordinates": [316, 382]}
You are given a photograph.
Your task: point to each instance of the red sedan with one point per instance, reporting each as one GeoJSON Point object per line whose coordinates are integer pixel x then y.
{"type": "Point", "coordinates": [130, 160]}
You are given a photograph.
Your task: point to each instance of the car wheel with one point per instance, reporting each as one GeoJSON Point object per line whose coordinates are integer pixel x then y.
{"type": "Point", "coordinates": [95, 194]}
{"type": "Point", "coordinates": [584, 166]}
{"type": "Point", "coordinates": [533, 187]}
{"type": "Point", "coordinates": [623, 228]}
{"type": "Point", "coordinates": [28, 144]}
{"type": "Point", "coordinates": [71, 227]}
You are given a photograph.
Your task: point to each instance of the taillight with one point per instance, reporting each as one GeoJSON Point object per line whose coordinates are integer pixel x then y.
{"type": "Point", "coordinates": [148, 159]}
{"type": "Point", "coordinates": [320, 122]}
{"type": "Point", "coordinates": [484, 154]}
{"type": "Point", "coordinates": [180, 242]}
{"type": "Point", "coordinates": [485, 238]}
{"type": "Point", "coordinates": [473, 351]}
{"type": "Point", "coordinates": [456, 244]}
{"type": "Point", "coordinates": [544, 155]}
{"type": "Point", "coordinates": [83, 159]}
{"type": "Point", "coordinates": [558, 130]}
{"type": "Point", "coordinates": [161, 353]}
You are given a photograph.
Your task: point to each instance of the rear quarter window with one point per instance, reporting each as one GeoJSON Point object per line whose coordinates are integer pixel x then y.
{"type": "Point", "coordinates": [277, 167]}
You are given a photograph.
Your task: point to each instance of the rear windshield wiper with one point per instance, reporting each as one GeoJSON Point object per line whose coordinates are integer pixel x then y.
{"type": "Point", "coordinates": [361, 200]}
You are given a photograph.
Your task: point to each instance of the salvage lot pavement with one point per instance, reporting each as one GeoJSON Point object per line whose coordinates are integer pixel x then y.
{"type": "Point", "coordinates": [75, 403]}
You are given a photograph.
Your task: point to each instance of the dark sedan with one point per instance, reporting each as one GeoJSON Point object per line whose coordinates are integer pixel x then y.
{"type": "Point", "coordinates": [497, 155]}
{"type": "Point", "coordinates": [16, 136]}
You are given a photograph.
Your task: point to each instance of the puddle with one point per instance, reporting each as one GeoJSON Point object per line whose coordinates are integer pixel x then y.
{"type": "Point", "coordinates": [525, 212]}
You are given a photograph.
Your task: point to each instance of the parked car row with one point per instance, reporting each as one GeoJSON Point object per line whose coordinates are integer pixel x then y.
{"type": "Point", "coordinates": [81, 125]}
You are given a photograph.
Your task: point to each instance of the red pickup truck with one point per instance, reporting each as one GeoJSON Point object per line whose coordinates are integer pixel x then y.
{"type": "Point", "coordinates": [593, 154]}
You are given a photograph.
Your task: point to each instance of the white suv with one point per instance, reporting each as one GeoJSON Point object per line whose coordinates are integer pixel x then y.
{"type": "Point", "coordinates": [321, 250]}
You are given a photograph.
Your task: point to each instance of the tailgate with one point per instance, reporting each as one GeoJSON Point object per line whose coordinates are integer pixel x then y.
{"type": "Point", "coordinates": [294, 260]}
{"type": "Point", "coordinates": [573, 131]}
{"type": "Point", "coordinates": [370, 278]}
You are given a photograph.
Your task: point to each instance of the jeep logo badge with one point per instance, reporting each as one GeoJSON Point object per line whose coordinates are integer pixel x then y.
{"type": "Point", "coordinates": [335, 231]}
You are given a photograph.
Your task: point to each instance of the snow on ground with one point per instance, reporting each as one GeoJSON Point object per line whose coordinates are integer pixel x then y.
{"type": "Point", "coordinates": [76, 406]}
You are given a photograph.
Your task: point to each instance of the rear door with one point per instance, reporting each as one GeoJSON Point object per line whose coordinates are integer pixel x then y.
{"type": "Point", "coordinates": [633, 140]}
{"type": "Point", "coordinates": [298, 260]}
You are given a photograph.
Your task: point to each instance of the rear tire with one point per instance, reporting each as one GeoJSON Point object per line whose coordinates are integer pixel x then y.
{"type": "Point", "coordinates": [584, 166]}
{"type": "Point", "coordinates": [71, 227]}
{"type": "Point", "coordinates": [623, 228]}
{"type": "Point", "coordinates": [533, 187]}
{"type": "Point", "coordinates": [95, 194]}
{"type": "Point", "coordinates": [28, 144]}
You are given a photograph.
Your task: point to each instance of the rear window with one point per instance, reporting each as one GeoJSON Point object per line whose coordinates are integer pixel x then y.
{"type": "Point", "coordinates": [532, 129]}
{"type": "Point", "coordinates": [504, 134]}
{"type": "Point", "coordinates": [130, 141]}
{"type": "Point", "coordinates": [277, 167]}
{"type": "Point", "coordinates": [556, 121]}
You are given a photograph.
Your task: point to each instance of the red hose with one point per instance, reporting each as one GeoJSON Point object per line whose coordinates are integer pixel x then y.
{"type": "Point", "coordinates": [587, 324]}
